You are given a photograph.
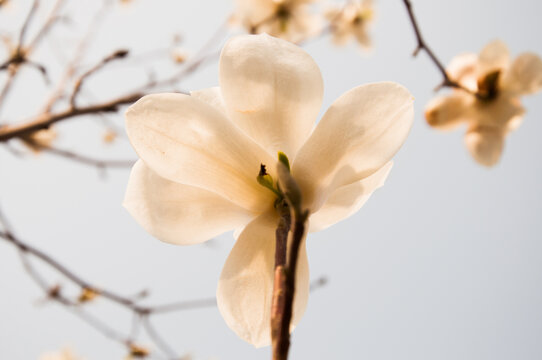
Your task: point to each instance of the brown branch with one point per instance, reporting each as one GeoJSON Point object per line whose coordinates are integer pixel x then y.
{"type": "Point", "coordinates": [119, 54]}
{"type": "Point", "coordinates": [26, 23]}
{"type": "Point", "coordinates": [55, 293]}
{"type": "Point", "coordinates": [20, 54]}
{"type": "Point", "coordinates": [45, 120]}
{"type": "Point", "coordinates": [289, 208]}
{"type": "Point", "coordinates": [86, 160]}
{"type": "Point", "coordinates": [279, 293]}
{"type": "Point", "coordinates": [78, 55]}
{"type": "Point", "coordinates": [155, 336]}
{"type": "Point", "coordinates": [285, 285]}
{"type": "Point", "coordinates": [422, 45]}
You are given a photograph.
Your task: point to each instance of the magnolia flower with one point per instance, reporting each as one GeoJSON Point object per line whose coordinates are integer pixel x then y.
{"type": "Point", "coordinates": [351, 20]}
{"type": "Point", "coordinates": [291, 20]}
{"type": "Point", "coordinates": [65, 354]}
{"type": "Point", "coordinates": [491, 106]}
{"type": "Point", "coordinates": [40, 139]}
{"type": "Point", "coordinates": [201, 156]}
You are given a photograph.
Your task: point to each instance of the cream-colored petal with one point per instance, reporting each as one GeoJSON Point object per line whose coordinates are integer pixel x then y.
{"type": "Point", "coordinates": [348, 199]}
{"type": "Point", "coordinates": [185, 140]}
{"type": "Point", "coordinates": [524, 75]}
{"type": "Point", "coordinates": [272, 89]}
{"type": "Point", "coordinates": [485, 144]}
{"type": "Point", "coordinates": [514, 123]}
{"type": "Point", "coordinates": [211, 96]}
{"type": "Point", "coordinates": [495, 113]}
{"type": "Point", "coordinates": [463, 69]}
{"type": "Point", "coordinates": [254, 12]}
{"type": "Point", "coordinates": [362, 37]}
{"type": "Point", "coordinates": [447, 112]}
{"type": "Point", "coordinates": [359, 133]}
{"type": "Point", "coordinates": [176, 213]}
{"type": "Point", "coordinates": [245, 287]}
{"type": "Point", "coordinates": [494, 56]}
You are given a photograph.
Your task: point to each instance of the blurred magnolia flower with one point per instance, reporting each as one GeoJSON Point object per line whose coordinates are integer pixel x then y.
{"type": "Point", "coordinates": [179, 55]}
{"type": "Point", "coordinates": [291, 20]}
{"type": "Point", "coordinates": [65, 354]}
{"type": "Point", "coordinates": [492, 109]}
{"type": "Point", "coordinates": [109, 136]}
{"type": "Point", "coordinates": [201, 156]}
{"type": "Point", "coordinates": [39, 139]}
{"type": "Point", "coordinates": [351, 21]}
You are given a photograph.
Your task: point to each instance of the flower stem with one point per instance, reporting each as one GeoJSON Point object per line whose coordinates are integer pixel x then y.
{"type": "Point", "coordinates": [284, 285]}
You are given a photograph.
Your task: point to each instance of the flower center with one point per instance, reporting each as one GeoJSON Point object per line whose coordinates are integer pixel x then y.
{"type": "Point", "coordinates": [282, 12]}
{"type": "Point", "coordinates": [266, 180]}
{"type": "Point", "coordinates": [488, 86]}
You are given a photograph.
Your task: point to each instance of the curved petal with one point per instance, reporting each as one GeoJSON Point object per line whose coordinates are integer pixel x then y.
{"type": "Point", "coordinates": [463, 68]}
{"type": "Point", "coordinates": [245, 287]}
{"type": "Point", "coordinates": [359, 133]}
{"type": "Point", "coordinates": [447, 112]}
{"type": "Point", "coordinates": [254, 12]}
{"type": "Point", "coordinates": [524, 75]}
{"type": "Point", "coordinates": [185, 140]}
{"type": "Point", "coordinates": [211, 96]}
{"type": "Point", "coordinates": [485, 144]}
{"type": "Point", "coordinates": [176, 213]}
{"type": "Point", "coordinates": [496, 113]}
{"type": "Point", "coordinates": [494, 56]}
{"type": "Point", "coordinates": [348, 199]}
{"type": "Point", "coordinates": [272, 89]}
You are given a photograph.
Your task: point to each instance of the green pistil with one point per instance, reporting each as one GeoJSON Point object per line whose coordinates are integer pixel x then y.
{"type": "Point", "coordinates": [284, 160]}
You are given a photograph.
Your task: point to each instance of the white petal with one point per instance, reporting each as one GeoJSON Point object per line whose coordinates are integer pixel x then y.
{"type": "Point", "coordinates": [485, 144]}
{"type": "Point", "coordinates": [494, 56]}
{"type": "Point", "coordinates": [176, 213]}
{"type": "Point", "coordinates": [188, 141]}
{"type": "Point", "coordinates": [524, 75]}
{"type": "Point", "coordinates": [348, 199]}
{"type": "Point", "coordinates": [272, 89]}
{"type": "Point", "coordinates": [359, 133]}
{"type": "Point", "coordinates": [211, 96]}
{"type": "Point", "coordinates": [447, 112]}
{"type": "Point", "coordinates": [463, 69]}
{"type": "Point", "coordinates": [245, 287]}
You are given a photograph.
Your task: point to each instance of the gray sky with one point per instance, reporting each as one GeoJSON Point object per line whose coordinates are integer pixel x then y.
{"type": "Point", "coordinates": [443, 262]}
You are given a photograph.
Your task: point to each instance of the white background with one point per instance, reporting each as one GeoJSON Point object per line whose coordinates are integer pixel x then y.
{"type": "Point", "coordinates": [442, 263]}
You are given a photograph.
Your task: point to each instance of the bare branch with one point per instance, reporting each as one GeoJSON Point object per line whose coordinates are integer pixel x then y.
{"type": "Point", "coordinates": [86, 160]}
{"type": "Point", "coordinates": [119, 54]}
{"type": "Point", "coordinates": [45, 120]}
{"type": "Point", "coordinates": [158, 340]}
{"type": "Point", "coordinates": [422, 45]}
{"type": "Point", "coordinates": [141, 313]}
{"type": "Point", "coordinates": [78, 55]}
{"type": "Point", "coordinates": [26, 23]}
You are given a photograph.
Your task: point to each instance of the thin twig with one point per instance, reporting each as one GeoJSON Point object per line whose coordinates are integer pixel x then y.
{"type": "Point", "coordinates": [44, 121]}
{"type": "Point", "coordinates": [52, 19]}
{"type": "Point", "coordinates": [118, 54]}
{"type": "Point", "coordinates": [157, 339]}
{"type": "Point", "coordinates": [86, 160]}
{"type": "Point", "coordinates": [55, 293]}
{"type": "Point", "coordinates": [77, 57]}
{"type": "Point", "coordinates": [20, 54]}
{"type": "Point", "coordinates": [422, 45]}
{"type": "Point", "coordinates": [26, 23]}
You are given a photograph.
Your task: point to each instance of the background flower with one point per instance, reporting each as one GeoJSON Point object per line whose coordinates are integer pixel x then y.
{"type": "Point", "coordinates": [490, 107]}
{"type": "Point", "coordinates": [351, 20]}
{"type": "Point", "coordinates": [292, 20]}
